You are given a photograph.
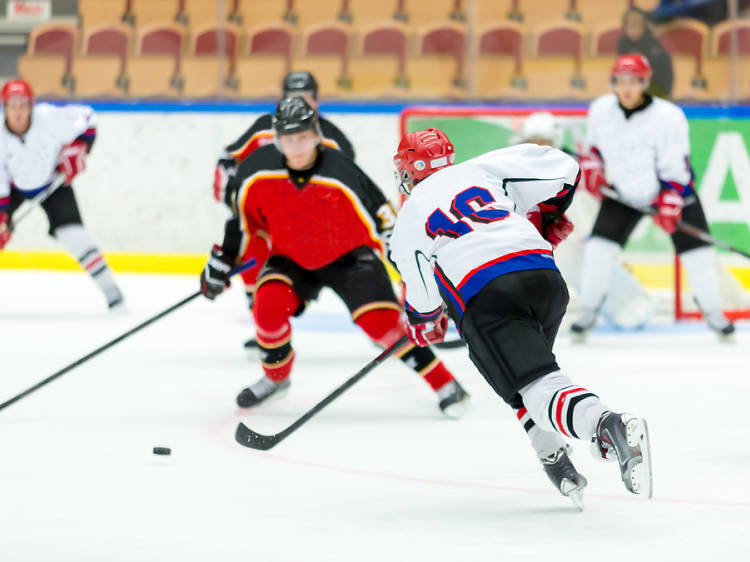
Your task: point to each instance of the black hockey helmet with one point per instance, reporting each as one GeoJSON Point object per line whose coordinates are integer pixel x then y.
{"type": "Point", "coordinates": [294, 115]}
{"type": "Point", "coordinates": [297, 82]}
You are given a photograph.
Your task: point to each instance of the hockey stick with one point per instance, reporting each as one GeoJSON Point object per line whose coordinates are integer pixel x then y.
{"type": "Point", "coordinates": [115, 341]}
{"type": "Point", "coordinates": [38, 199]}
{"type": "Point", "coordinates": [688, 229]}
{"type": "Point", "coordinates": [249, 438]}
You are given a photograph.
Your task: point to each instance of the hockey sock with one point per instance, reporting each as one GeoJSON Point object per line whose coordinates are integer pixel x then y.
{"type": "Point", "coordinates": [556, 404]}
{"type": "Point", "coordinates": [384, 326]}
{"type": "Point", "coordinates": [275, 303]}
{"type": "Point", "coordinates": [79, 244]}
{"type": "Point", "coordinates": [545, 443]}
{"type": "Point", "coordinates": [599, 259]}
{"type": "Point", "coordinates": [700, 265]}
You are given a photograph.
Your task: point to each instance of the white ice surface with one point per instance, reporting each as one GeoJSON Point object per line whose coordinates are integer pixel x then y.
{"type": "Point", "coordinates": [379, 475]}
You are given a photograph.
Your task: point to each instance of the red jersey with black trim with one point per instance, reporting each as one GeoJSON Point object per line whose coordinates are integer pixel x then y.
{"type": "Point", "coordinates": [313, 217]}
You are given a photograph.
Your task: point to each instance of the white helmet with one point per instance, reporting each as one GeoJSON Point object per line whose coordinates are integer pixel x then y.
{"type": "Point", "coordinates": [542, 125]}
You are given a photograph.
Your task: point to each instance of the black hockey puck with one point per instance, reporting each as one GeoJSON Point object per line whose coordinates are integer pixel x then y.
{"type": "Point", "coordinates": [162, 451]}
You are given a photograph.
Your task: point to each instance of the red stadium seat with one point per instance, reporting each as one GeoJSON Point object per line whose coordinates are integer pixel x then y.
{"type": "Point", "coordinates": [497, 60]}
{"type": "Point", "coordinates": [325, 53]}
{"type": "Point", "coordinates": [380, 66]}
{"type": "Point", "coordinates": [685, 37]}
{"type": "Point", "coordinates": [604, 39]}
{"type": "Point", "coordinates": [722, 38]}
{"type": "Point", "coordinates": [54, 39]}
{"type": "Point", "coordinates": [559, 39]}
{"type": "Point", "coordinates": [449, 41]}
{"type": "Point", "coordinates": [155, 67]}
{"type": "Point", "coordinates": [271, 41]}
{"type": "Point", "coordinates": [110, 40]}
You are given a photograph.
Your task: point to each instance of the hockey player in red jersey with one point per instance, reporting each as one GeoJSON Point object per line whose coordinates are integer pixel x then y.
{"type": "Point", "coordinates": [39, 142]}
{"type": "Point", "coordinates": [475, 241]}
{"type": "Point", "coordinates": [326, 222]}
{"type": "Point", "coordinates": [260, 134]}
{"type": "Point", "coordinates": [639, 146]}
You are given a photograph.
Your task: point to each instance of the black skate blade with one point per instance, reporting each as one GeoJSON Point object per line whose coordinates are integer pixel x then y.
{"type": "Point", "coordinates": [249, 438]}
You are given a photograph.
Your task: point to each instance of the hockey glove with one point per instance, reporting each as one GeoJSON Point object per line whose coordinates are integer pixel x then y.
{"type": "Point", "coordinates": [5, 232]}
{"type": "Point", "coordinates": [224, 169]}
{"type": "Point", "coordinates": [428, 332]}
{"type": "Point", "coordinates": [72, 159]}
{"type": "Point", "coordinates": [552, 225]}
{"type": "Point", "coordinates": [669, 210]}
{"type": "Point", "coordinates": [592, 169]}
{"type": "Point", "coordinates": [215, 275]}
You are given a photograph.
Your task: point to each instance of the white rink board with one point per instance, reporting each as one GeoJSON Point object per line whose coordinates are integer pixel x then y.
{"type": "Point", "coordinates": [149, 183]}
{"type": "Point", "coordinates": [379, 475]}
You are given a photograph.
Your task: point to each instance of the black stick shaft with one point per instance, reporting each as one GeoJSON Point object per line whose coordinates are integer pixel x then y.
{"type": "Point", "coordinates": [249, 438]}
{"type": "Point", "coordinates": [115, 341]}
{"type": "Point", "coordinates": [98, 350]}
{"type": "Point", "coordinates": [688, 229]}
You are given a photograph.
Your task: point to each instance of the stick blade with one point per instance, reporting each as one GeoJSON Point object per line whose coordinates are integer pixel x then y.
{"type": "Point", "coordinates": [249, 438]}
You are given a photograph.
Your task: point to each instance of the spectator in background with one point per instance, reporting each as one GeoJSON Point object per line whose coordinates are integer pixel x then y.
{"type": "Point", "coordinates": [637, 38]}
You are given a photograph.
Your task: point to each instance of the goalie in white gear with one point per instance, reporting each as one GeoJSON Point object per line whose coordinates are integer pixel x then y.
{"type": "Point", "coordinates": [639, 146]}
{"type": "Point", "coordinates": [475, 240]}
{"type": "Point", "coordinates": [627, 305]}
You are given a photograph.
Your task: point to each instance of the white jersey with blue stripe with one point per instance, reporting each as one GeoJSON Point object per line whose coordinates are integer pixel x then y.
{"type": "Point", "coordinates": [29, 160]}
{"type": "Point", "coordinates": [466, 225]}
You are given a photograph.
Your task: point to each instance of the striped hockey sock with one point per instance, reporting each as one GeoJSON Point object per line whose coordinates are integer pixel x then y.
{"type": "Point", "coordinates": [80, 245]}
{"type": "Point", "coordinates": [556, 404]}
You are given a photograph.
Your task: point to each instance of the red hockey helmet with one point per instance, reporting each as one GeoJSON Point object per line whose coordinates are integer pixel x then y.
{"type": "Point", "coordinates": [16, 89]}
{"type": "Point", "coordinates": [633, 65]}
{"type": "Point", "coordinates": [421, 154]}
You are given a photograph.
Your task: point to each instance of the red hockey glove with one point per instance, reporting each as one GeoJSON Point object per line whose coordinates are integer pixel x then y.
{"type": "Point", "coordinates": [428, 332]}
{"type": "Point", "coordinates": [592, 169]}
{"type": "Point", "coordinates": [4, 230]}
{"type": "Point", "coordinates": [669, 210]}
{"type": "Point", "coordinates": [215, 275]}
{"type": "Point", "coordinates": [72, 159]}
{"type": "Point", "coordinates": [553, 231]}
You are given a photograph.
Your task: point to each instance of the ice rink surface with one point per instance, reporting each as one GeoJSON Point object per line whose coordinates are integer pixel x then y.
{"type": "Point", "coordinates": [379, 475]}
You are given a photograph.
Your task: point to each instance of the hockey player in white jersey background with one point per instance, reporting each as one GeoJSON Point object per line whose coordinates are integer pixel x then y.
{"type": "Point", "coordinates": [477, 238]}
{"type": "Point", "coordinates": [639, 146]}
{"type": "Point", "coordinates": [38, 142]}
{"type": "Point", "coordinates": [627, 303]}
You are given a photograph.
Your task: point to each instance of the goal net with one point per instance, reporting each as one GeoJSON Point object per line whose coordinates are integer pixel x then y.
{"type": "Point", "coordinates": [648, 255]}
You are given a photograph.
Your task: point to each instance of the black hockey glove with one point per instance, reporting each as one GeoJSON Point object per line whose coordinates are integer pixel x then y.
{"type": "Point", "coordinates": [215, 275]}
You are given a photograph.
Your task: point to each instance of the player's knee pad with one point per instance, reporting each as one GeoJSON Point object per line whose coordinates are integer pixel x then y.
{"type": "Point", "coordinates": [383, 325]}
{"type": "Point", "coordinates": [275, 303]}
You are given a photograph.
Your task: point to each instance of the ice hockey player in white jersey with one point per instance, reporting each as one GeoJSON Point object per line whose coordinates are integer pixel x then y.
{"type": "Point", "coordinates": [475, 240]}
{"type": "Point", "coordinates": [628, 304]}
{"type": "Point", "coordinates": [39, 143]}
{"type": "Point", "coordinates": [639, 146]}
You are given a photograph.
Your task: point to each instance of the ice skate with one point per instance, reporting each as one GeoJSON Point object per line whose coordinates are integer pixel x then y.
{"type": "Point", "coordinates": [454, 400]}
{"type": "Point", "coordinates": [116, 302]}
{"type": "Point", "coordinates": [626, 437]}
{"type": "Point", "coordinates": [261, 391]}
{"type": "Point", "coordinates": [564, 476]}
{"type": "Point", "coordinates": [581, 327]}
{"type": "Point", "coordinates": [721, 325]}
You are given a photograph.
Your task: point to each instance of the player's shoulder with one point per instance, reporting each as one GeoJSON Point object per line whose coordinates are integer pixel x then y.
{"type": "Point", "coordinates": [667, 108]}
{"type": "Point", "coordinates": [603, 104]}
{"type": "Point", "coordinates": [334, 162]}
{"type": "Point", "coordinates": [264, 158]}
{"type": "Point", "coordinates": [263, 122]}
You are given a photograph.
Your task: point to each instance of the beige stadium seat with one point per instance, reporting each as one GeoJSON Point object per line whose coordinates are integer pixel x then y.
{"type": "Point", "coordinates": [367, 12]}
{"type": "Point", "coordinates": [484, 11]}
{"type": "Point", "coordinates": [316, 12]}
{"type": "Point", "coordinates": [327, 70]}
{"type": "Point", "coordinates": [97, 75]}
{"type": "Point", "coordinates": [549, 77]}
{"type": "Point", "coordinates": [201, 13]}
{"type": "Point", "coordinates": [595, 73]}
{"type": "Point", "coordinates": [44, 72]}
{"type": "Point", "coordinates": [100, 12]}
{"type": "Point", "coordinates": [149, 12]}
{"type": "Point", "coordinates": [204, 76]}
{"type": "Point", "coordinates": [374, 75]}
{"type": "Point", "coordinates": [260, 13]}
{"type": "Point", "coordinates": [151, 75]}
{"type": "Point", "coordinates": [431, 13]}
{"type": "Point", "coordinates": [593, 12]}
{"type": "Point", "coordinates": [260, 75]}
{"type": "Point", "coordinates": [493, 75]}
{"type": "Point", "coordinates": [432, 75]}
{"type": "Point", "coordinates": [683, 88]}
{"type": "Point", "coordinates": [717, 72]}
{"type": "Point", "coordinates": [542, 12]}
